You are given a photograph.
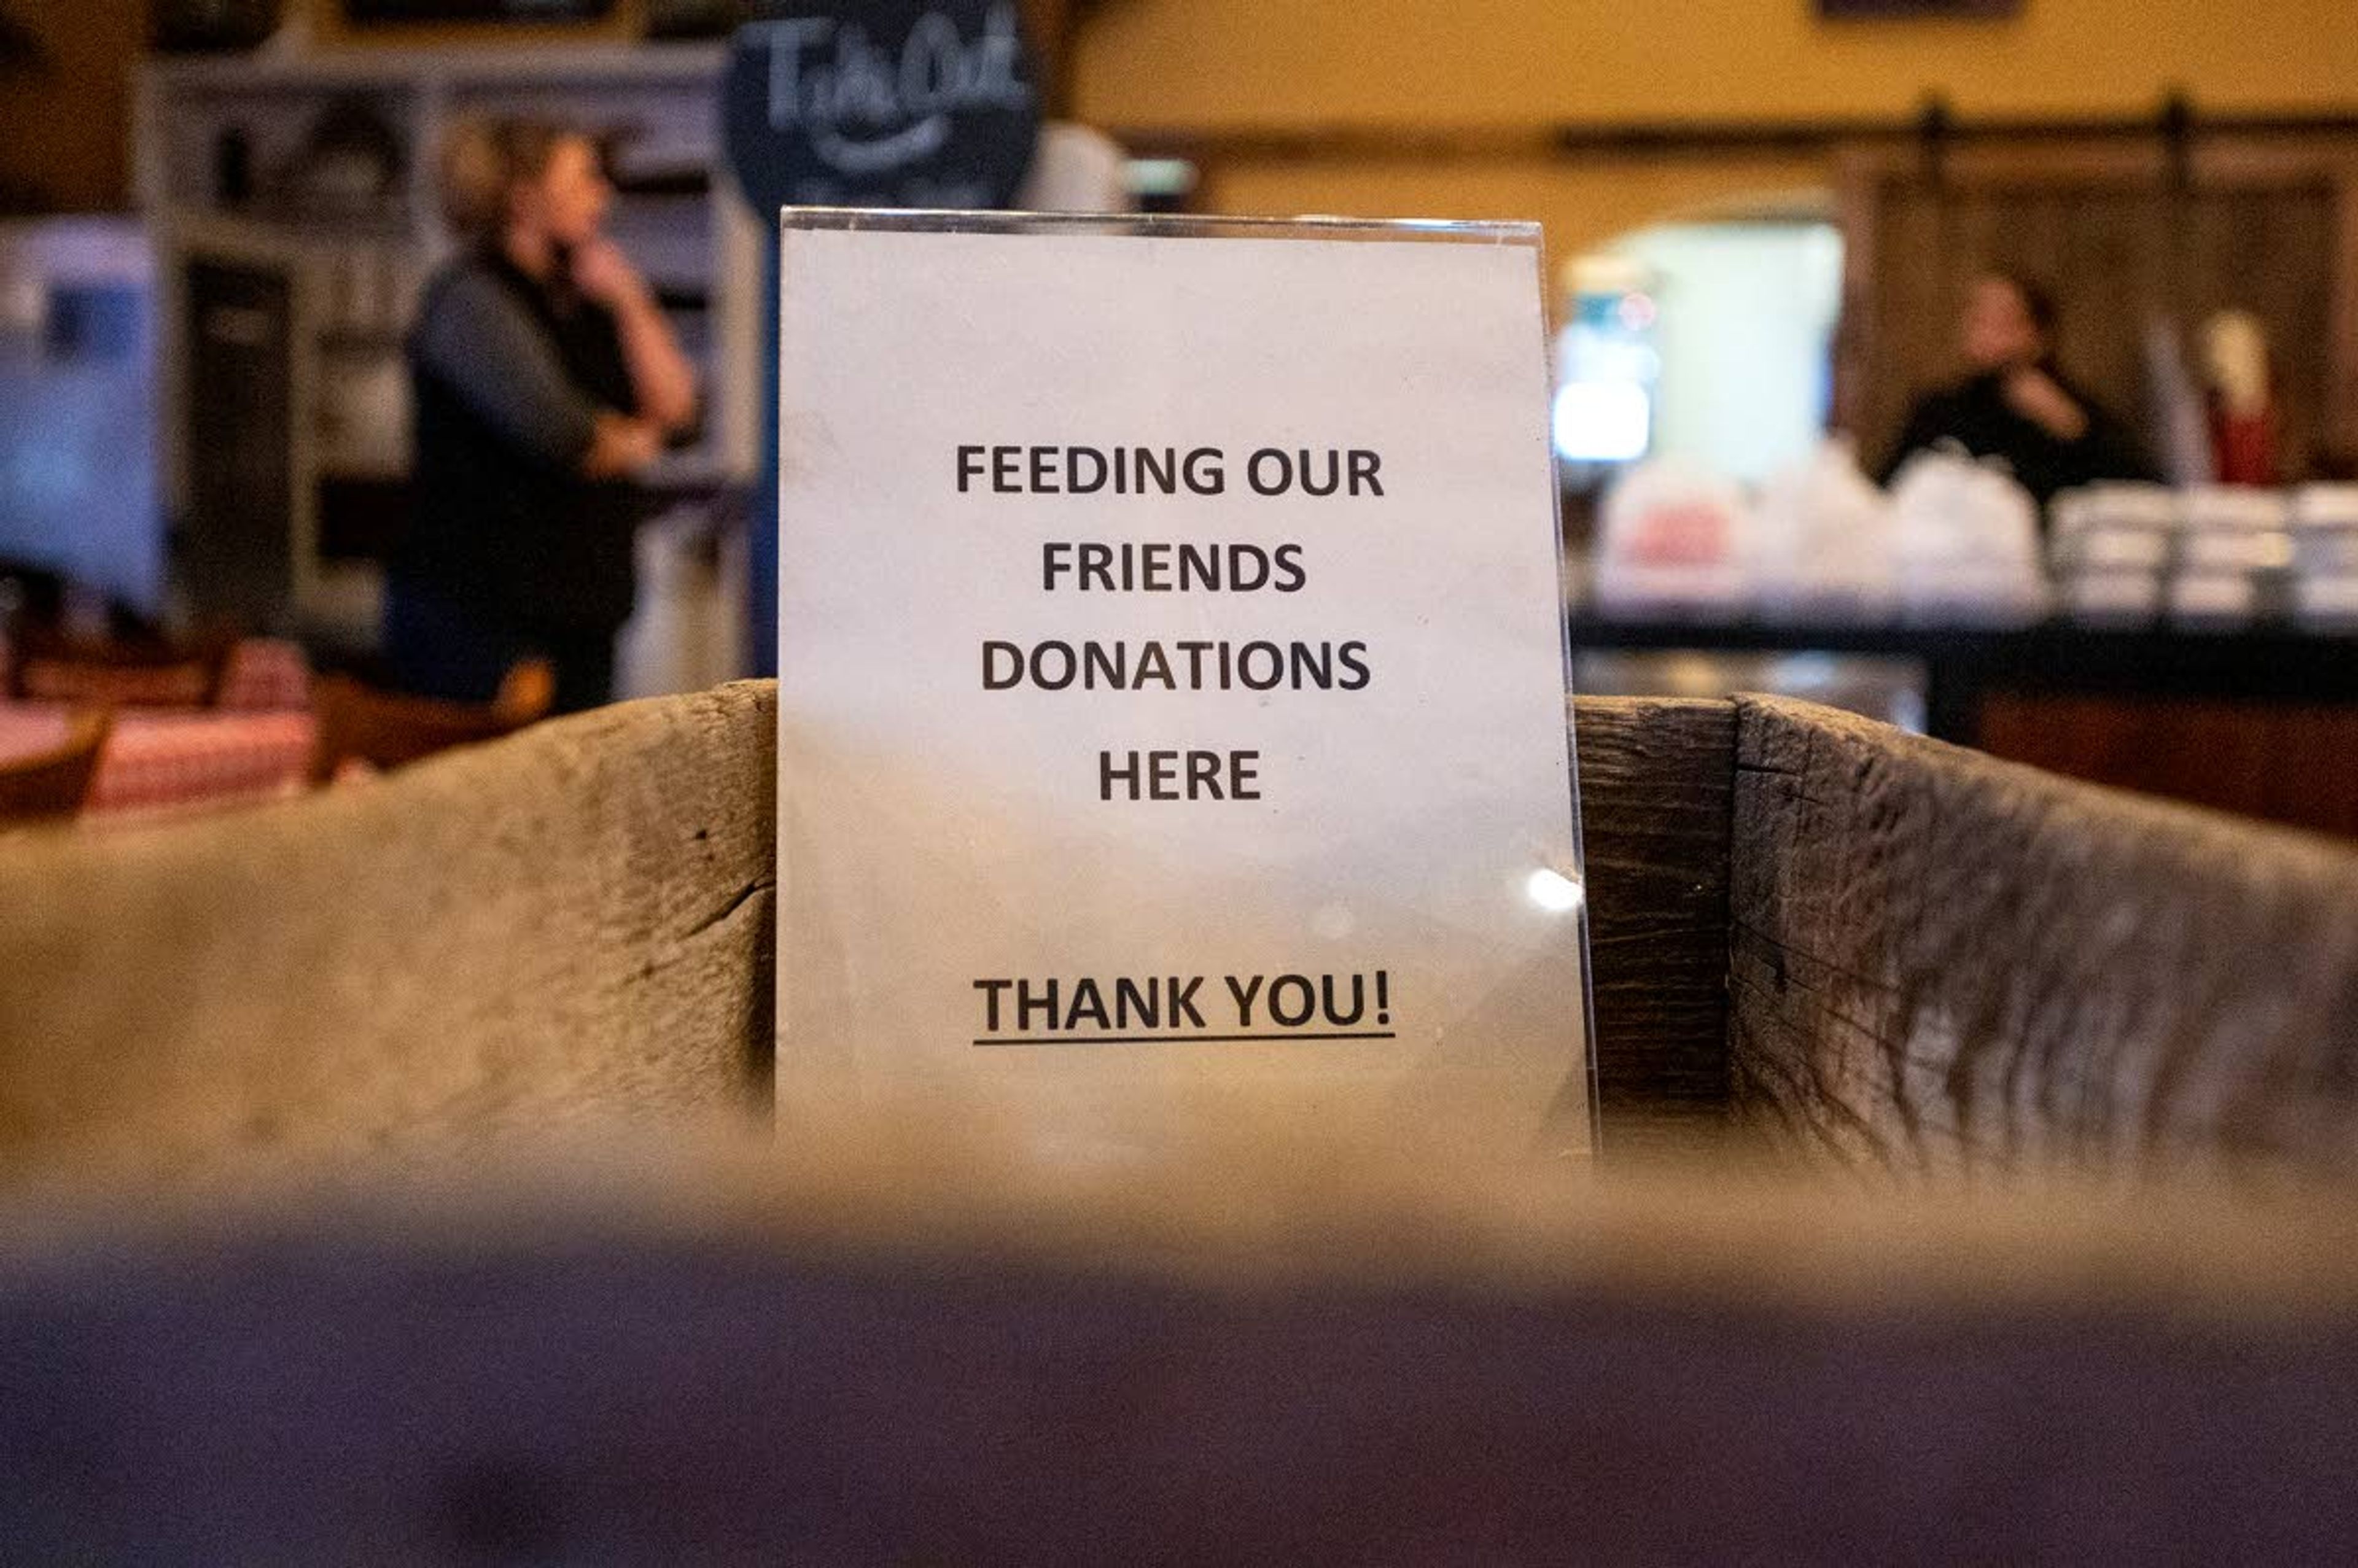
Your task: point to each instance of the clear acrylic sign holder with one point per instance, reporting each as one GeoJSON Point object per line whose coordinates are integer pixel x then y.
{"type": "Point", "coordinates": [1172, 679]}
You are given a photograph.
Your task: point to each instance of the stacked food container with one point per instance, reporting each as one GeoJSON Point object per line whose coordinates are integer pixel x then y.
{"type": "Point", "coordinates": [2325, 557]}
{"type": "Point", "coordinates": [2112, 547]}
{"type": "Point", "coordinates": [2235, 557]}
{"type": "Point", "coordinates": [2215, 557]}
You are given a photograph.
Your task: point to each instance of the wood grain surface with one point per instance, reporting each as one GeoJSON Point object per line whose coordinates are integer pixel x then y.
{"type": "Point", "coordinates": [1944, 966]}
{"type": "Point", "coordinates": [578, 924]}
{"type": "Point", "coordinates": [1939, 964]}
{"type": "Point", "coordinates": [571, 923]}
{"type": "Point", "coordinates": [1657, 777]}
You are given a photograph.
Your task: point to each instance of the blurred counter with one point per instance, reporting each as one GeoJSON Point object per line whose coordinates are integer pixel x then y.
{"type": "Point", "coordinates": [2261, 720]}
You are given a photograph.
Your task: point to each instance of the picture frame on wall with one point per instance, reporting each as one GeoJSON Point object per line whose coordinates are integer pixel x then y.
{"type": "Point", "coordinates": [1919, 10]}
{"type": "Point", "coordinates": [696, 19]}
{"type": "Point", "coordinates": [368, 13]}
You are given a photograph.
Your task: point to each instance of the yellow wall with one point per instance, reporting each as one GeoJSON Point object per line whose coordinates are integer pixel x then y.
{"type": "Point", "coordinates": [1209, 65]}
{"type": "Point", "coordinates": [1196, 66]}
{"type": "Point", "coordinates": [1215, 62]}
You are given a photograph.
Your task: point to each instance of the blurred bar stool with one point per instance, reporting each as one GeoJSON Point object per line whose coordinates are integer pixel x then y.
{"type": "Point", "coordinates": [50, 785]}
{"type": "Point", "coordinates": [384, 729]}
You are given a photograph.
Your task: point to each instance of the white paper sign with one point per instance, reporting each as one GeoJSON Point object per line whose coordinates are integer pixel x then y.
{"type": "Point", "coordinates": [1172, 673]}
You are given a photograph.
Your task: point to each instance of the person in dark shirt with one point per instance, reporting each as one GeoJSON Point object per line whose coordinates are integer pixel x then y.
{"type": "Point", "coordinates": [2017, 404]}
{"type": "Point", "coordinates": [543, 378]}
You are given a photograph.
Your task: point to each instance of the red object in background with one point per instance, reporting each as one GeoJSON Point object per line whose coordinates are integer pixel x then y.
{"type": "Point", "coordinates": [2244, 446]}
{"type": "Point", "coordinates": [1685, 533]}
{"type": "Point", "coordinates": [254, 744]}
{"type": "Point", "coordinates": [161, 760]}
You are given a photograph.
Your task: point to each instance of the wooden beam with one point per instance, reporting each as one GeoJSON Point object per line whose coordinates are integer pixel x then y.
{"type": "Point", "coordinates": [1939, 962]}
{"type": "Point", "coordinates": [572, 925]}
{"type": "Point", "coordinates": [577, 923]}
{"type": "Point", "coordinates": [1346, 142]}
{"type": "Point", "coordinates": [1945, 966]}
{"type": "Point", "coordinates": [1657, 778]}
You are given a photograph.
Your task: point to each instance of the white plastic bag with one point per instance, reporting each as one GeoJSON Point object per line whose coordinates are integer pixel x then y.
{"type": "Point", "coordinates": [1674, 542]}
{"type": "Point", "coordinates": [1969, 551]}
{"type": "Point", "coordinates": [1826, 543]}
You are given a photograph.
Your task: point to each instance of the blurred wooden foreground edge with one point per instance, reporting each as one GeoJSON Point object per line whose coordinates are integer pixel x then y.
{"type": "Point", "coordinates": [1920, 968]}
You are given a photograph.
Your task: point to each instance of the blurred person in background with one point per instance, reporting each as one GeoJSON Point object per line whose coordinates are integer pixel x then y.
{"type": "Point", "coordinates": [2017, 404]}
{"type": "Point", "coordinates": [545, 380]}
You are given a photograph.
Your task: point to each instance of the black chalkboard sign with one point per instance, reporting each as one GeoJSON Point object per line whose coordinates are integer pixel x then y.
{"type": "Point", "coordinates": [887, 103]}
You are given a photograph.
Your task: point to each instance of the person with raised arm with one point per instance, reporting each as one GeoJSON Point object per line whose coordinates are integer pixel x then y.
{"type": "Point", "coordinates": [546, 381]}
{"type": "Point", "coordinates": [2015, 404]}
